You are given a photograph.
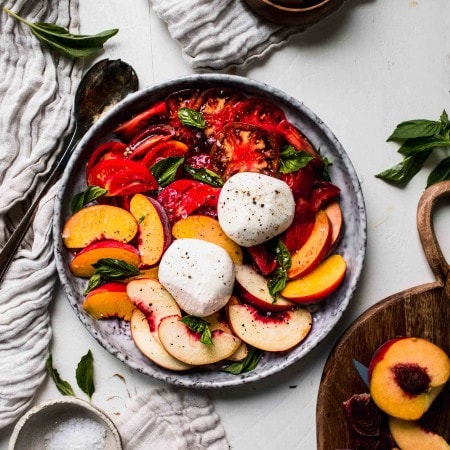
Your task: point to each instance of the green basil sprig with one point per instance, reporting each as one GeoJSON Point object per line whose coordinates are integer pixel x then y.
{"type": "Point", "coordinates": [205, 175]}
{"type": "Point", "coordinates": [278, 281]}
{"type": "Point", "coordinates": [165, 170]}
{"type": "Point", "coordinates": [292, 160]}
{"type": "Point", "coordinates": [417, 139]}
{"type": "Point", "coordinates": [107, 269]}
{"type": "Point", "coordinates": [247, 364]}
{"type": "Point", "coordinates": [191, 118]}
{"type": "Point", "coordinates": [66, 43]}
{"type": "Point", "coordinates": [83, 198]}
{"type": "Point", "coordinates": [199, 326]}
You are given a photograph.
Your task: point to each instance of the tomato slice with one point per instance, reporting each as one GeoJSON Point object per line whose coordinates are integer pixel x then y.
{"type": "Point", "coordinates": [164, 150]}
{"type": "Point", "coordinates": [295, 138]}
{"type": "Point", "coordinates": [242, 147]}
{"type": "Point", "coordinates": [323, 193]}
{"type": "Point", "coordinates": [182, 197]}
{"type": "Point", "coordinates": [107, 150]}
{"type": "Point", "coordinates": [130, 128]}
{"type": "Point", "coordinates": [145, 140]}
{"type": "Point", "coordinates": [217, 108]}
{"type": "Point", "coordinates": [199, 161]}
{"type": "Point", "coordinates": [122, 177]}
{"type": "Point", "coordinates": [259, 111]}
{"type": "Point", "coordinates": [263, 257]}
{"type": "Point", "coordinates": [301, 182]}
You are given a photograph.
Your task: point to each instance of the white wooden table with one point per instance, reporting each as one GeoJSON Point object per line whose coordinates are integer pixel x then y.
{"type": "Point", "coordinates": [368, 67]}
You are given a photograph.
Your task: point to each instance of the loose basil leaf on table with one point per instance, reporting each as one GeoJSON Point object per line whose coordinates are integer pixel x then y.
{"type": "Point", "coordinates": [85, 374]}
{"type": "Point", "coordinates": [63, 386]}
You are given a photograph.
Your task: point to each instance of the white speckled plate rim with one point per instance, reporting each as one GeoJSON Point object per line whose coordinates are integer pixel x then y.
{"type": "Point", "coordinates": [114, 336]}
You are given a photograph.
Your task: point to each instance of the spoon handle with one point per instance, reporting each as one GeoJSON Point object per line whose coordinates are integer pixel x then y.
{"type": "Point", "coordinates": [9, 250]}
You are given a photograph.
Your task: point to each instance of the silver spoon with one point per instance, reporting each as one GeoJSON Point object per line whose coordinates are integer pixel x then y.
{"type": "Point", "coordinates": [104, 84]}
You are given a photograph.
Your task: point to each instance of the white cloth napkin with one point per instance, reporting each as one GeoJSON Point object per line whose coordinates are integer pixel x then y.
{"type": "Point", "coordinates": [36, 91]}
{"type": "Point", "coordinates": [219, 34]}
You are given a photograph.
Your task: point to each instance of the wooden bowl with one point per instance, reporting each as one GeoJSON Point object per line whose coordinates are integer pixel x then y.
{"type": "Point", "coordinates": [307, 13]}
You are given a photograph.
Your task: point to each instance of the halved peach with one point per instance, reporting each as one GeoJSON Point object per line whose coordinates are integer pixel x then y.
{"type": "Point", "coordinates": [405, 376]}
{"type": "Point", "coordinates": [109, 300]}
{"type": "Point", "coordinates": [98, 222]}
{"type": "Point", "coordinates": [317, 284]}
{"type": "Point", "coordinates": [185, 345]}
{"type": "Point", "coordinates": [274, 332]}
{"type": "Point", "coordinates": [312, 252]}
{"type": "Point", "coordinates": [82, 264]}
{"type": "Point", "coordinates": [334, 213]}
{"type": "Point", "coordinates": [208, 229]}
{"type": "Point", "coordinates": [154, 235]}
{"type": "Point", "coordinates": [410, 435]}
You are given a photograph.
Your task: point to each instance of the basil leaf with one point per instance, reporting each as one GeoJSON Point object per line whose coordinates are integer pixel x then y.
{"type": "Point", "coordinates": [89, 195]}
{"type": "Point", "coordinates": [110, 269]}
{"type": "Point", "coordinates": [440, 173]}
{"type": "Point", "coordinates": [403, 172]}
{"type": "Point", "coordinates": [292, 160]}
{"type": "Point", "coordinates": [417, 145]}
{"type": "Point", "coordinates": [247, 364]}
{"type": "Point", "coordinates": [63, 386]}
{"type": "Point", "coordinates": [444, 121]}
{"type": "Point", "coordinates": [66, 43]}
{"type": "Point", "coordinates": [278, 282]}
{"type": "Point", "coordinates": [165, 170]}
{"type": "Point", "coordinates": [205, 175]}
{"type": "Point", "coordinates": [191, 118]}
{"type": "Point", "coordinates": [85, 374]}
{"type": "Point", "coordinates": [199, 326]}
{"type": "Point", "coordinates": [414, 129]}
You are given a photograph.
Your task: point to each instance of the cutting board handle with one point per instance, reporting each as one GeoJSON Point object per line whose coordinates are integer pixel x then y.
{"type": "Point", "coordinates": [430, 245]}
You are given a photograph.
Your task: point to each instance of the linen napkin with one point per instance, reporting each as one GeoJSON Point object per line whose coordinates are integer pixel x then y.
{"type": "Point", "coordinates": [36, 92]}
{"type": "Point", "coordinates": [220, 34]}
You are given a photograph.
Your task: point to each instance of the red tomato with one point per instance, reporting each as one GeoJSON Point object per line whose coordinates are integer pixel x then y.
{"type": "Point", "coordinates": [258, 111]}
{"type": "Point", "coordinates": [130, 128]}
{"type": "Point", "coordinates": [263, 258]}
{"type": "Point", "coordinates": [301, 182]}
{"type": "Point", "coordinates": [242, 147]}
{"type": "Point", "coordinates": [182, 197]}
{"type": "Point", "coordinates": [199, 160]}
{"type": "Point", "coordinates": [217, 108]}
{"type": "Point", "coordinates": [107, 150]}
{"type": "Point", "coordinates": [145, 140]}
{"type": "Point", "coordinates": [323, 193]}
{"type": "Point", "coordinates": [295, 138]}
{"type": "Point", "coordinates": [122, 177]}
{"type": "Point", "coordinates": [164, 150]}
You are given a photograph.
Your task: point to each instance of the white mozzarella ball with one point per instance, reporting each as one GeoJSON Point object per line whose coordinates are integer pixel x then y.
{"type": "Point", "coordinates": [253, 208]}
{"type": "Point", "coordinates": [198, 274]}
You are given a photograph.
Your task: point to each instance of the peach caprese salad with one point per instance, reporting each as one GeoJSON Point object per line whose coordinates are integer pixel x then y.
{"type": "Point", "coordinates": [209, 223]}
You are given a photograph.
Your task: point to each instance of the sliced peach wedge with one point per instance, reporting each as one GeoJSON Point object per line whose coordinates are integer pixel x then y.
{"type": "Point", "coordinates": [312, 252]}
{"type": "Point", "coordinates": [82, 264]}
{"type": "Point", "coordinates": [410, 435]}
{"type": "Point", "coordinates": [153, 303]}
{"type": "Point", "coordinates": [317, 284]}
{"type": "Point", "coordinates": [208, 229]}
{"type": "Point", "coordinates": [405, 376]}
{"type": "Point", "coordinates": [273, 332]}
{"type": "Point", "coordinates": [98, 222]}
{"type": "Point", "coordinates": [153, 229]}
{"type": "Point", "coordinates": [109, 300]}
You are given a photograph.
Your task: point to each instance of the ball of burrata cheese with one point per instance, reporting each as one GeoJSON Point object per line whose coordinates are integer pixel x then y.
{"type": "Point", "coordinates": [253, 208]}
{"type": "Point", "coordinates": [198, 274]}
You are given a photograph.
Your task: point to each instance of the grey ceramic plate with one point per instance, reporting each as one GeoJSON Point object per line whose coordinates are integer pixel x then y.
{"type": "Point", "coordinates": [115, 335]}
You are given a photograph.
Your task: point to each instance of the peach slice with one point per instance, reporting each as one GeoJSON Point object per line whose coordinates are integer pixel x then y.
{"type": "Point", "coordinates": [273, 332]}
{"type": "Point", "coordinates": [317, 284]}
{"type": "Point", "coordinates": [410, 435]}
{"type": "Point", "coordinates": [334, 213]}
{"type": "Point", "coordinates": [81, 264]}
{"type": "Point", "coordinates": [154, 235]}
{"type": "Point", "coordinates": [184, 344]}
{"type": "Point", "coordinates": [109, 300]}
{"type": "Point", "coordinates": [153, 303]}
{"type": "Point", "coordinates": [98, 222]}
{"type": "Point", "coordinates": [253, 288]}
{"type": "Point", "coordinates": [405, 376]}
{"type": "Point", "coordinates": [208, 229]}
{"type": "Point", "coordinates": [312, 252]}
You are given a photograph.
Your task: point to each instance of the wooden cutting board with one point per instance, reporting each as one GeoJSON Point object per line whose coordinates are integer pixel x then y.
{"type": "Point", "coordinates": [422, 311]}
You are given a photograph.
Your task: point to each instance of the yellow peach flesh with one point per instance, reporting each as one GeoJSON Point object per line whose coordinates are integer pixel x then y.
{"type": "Point", "coordinates": [109, 304]}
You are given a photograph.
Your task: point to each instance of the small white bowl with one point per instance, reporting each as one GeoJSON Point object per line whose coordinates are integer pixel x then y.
{"type": "Point", "coordinates": [68, 418]}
